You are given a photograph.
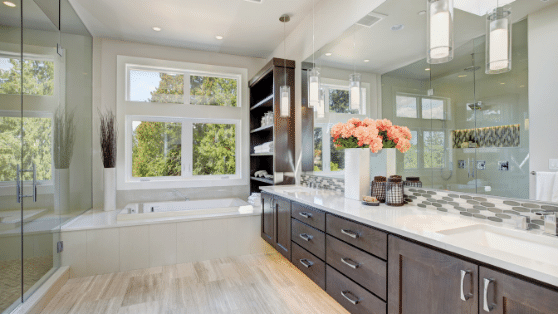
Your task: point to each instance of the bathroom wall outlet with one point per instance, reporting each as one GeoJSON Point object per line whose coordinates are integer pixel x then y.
{"type": "Point", "coordinates": [461, 164]}
{"type": "Point", "coordinates": [481, 164]}
{"type": "Point", "coordinates": [503, 166]}
{"type": "Point", "coordinates": [553, 164]}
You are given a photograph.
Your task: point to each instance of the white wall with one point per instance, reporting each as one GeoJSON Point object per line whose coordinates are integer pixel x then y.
{"type": "Point", "coordinates": [105, 54]}
{"type": "Point", "coordinates": [543, 89]}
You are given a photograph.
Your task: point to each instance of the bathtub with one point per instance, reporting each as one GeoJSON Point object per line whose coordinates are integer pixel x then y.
{"type": "Point", "coordinates": [212, 207]}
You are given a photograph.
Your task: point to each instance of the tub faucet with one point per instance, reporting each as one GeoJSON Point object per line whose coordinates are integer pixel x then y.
{"type": "Point", "coordinates": [177, 192]}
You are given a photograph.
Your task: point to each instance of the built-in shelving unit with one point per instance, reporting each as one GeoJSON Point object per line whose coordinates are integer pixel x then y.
{"type": "Point", "coordinates": [264, 97]}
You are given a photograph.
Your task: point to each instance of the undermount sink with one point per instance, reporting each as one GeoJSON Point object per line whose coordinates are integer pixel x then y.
{"type": "Point", "coordinates": [514, 242]}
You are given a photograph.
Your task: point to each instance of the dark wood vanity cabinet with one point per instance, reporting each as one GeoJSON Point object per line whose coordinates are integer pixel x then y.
{"type": "Point", "coordinates": [504, 294]}
{"type": "Point", "coordinates": [276, 223]}
{"type": "Point", "coordinates": [425, 281]}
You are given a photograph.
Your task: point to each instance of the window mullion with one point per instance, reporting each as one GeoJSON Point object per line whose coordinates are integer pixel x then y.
{"type": "Point", "coordinates": [187, 78]}
{"type": "Point", "coordinates": [187, 152]}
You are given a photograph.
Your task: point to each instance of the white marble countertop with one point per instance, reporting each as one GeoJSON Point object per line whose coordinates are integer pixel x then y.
{"type": "Point", "coordinates": [424, 225]}
{"type": "Point", "coordinates": [99, 219]}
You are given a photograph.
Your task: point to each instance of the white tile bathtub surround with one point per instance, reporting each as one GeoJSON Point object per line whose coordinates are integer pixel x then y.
{"type": "Point", "coordinates": [115, 248]}
{"type": "Point", "coordinates": [424, 224]}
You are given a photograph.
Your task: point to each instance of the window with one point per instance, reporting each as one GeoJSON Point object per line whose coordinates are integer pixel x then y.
{"type": "Point", "coordinates": [410, 160]}
{"type": "Point", "coordinates": [339, 101]}
{"type": "Point", "coordinates": [410, 106]}
{"type": "Point", "coordinates": [167, 87]}
{"type": "Point", "coordinates": [318, 149]}
{"type": "Point", "coordinates": [163, 148]}
{"type": "Point", "coordinates": [37, 146]}
{"type": "Point", "coordinates": [326, 157]}
{"type": "Point", "coordinates": [434, 142]}
{"type": "Point", "coordinates": [337, 162]}
{"type": "Point", "coordinates": [38, 79]}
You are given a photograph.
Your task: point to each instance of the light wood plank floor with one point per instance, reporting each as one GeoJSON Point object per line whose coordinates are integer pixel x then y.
{"type": "Point", "coordinates": [263, 283]}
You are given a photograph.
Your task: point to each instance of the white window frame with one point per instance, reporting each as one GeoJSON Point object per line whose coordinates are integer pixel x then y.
{"type": "Point", "coordinates": [326, 151]}
{"type": "Point", "coordinates": [126, 111]}
{"type": "Point", "coordinates": [420, 99]}
{"type": "Point", "coordinates": [186, 149]}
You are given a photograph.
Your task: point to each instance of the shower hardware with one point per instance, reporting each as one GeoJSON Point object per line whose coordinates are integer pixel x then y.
{"type": "Point", "coordinates": [19, 185]}
{"type": "Point", "coordinates": [475, 106]}
{"type": "Point", "coordinates": [470, 170]}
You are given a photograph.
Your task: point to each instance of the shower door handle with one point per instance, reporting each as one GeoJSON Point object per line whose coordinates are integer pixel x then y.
{"type": "Point", "coordinates": [19, 186]}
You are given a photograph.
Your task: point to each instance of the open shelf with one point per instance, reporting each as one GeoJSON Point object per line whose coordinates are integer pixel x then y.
{"type": "Point", "coordinates": [266, 102]}
{"type": "Point", "coordinates": [261, 154]}
{"type": "Point", "coordinates": [264, 180]}
{"type": "Point", "coordinates": [263, 128]}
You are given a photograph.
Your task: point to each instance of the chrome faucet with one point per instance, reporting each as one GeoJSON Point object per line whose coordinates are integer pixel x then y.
{"type": "Point", "coordinates": [550, 221]}
{"type": "Point", "coordinates": [177, 192]}
{"type": "Point", "coordinates": [522, 222]}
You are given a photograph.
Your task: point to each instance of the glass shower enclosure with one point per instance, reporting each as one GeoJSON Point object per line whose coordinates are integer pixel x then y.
{"type": "Point", "coordinates": [45, 75]}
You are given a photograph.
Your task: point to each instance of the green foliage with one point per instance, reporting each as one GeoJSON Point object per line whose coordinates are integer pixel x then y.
{"type": "Point", "coordinates": [339, 101]}
{"type": "Point", "coordinates": [333, 166]}
{"type": "Point", "coordinates": [337, 157]}
{"type": "Point", "coordinates": [433, 149]}
{"type": "Point", "coordinates": [38, 78]}
{"type": "Point", "coordinates": [156, 150]}
{"type": "Point", "coordinates": [170, 90]}
{"type": "Point", "coordinates": [318, 149]}
{"type": "Point", "coordinates": [214, 91]}
{"type": "Point", "coordinates": [214, 149]}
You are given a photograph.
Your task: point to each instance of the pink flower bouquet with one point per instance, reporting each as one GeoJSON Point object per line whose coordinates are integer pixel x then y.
{"type": "Point", "coordinates": [373, 134]}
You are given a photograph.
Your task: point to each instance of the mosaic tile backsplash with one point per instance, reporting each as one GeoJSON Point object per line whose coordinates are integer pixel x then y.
{"type": "Point", "coordinates": [497, 136]}
{"type": "Point", "coordinates": [481, 207]}
{"type": "Point", "coordinates": [325, 182]}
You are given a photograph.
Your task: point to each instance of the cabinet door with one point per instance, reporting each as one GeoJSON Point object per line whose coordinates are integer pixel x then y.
{"type": "Point", "coordinates": [283, 227]}
{"type": "Point", "coordinates": [268, 214]}
{"type": "Point", "coordinates": [505, 294]}
{"type": "Point", "coordinates": [424, 281]}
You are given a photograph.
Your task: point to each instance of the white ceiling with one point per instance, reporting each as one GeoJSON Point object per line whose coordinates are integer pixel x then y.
{"type": "Point", "coordinates": [249, 29]}
{"type": "Point", "coordinates": [388, 50]}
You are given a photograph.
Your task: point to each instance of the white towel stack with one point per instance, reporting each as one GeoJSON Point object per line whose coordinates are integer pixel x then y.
{"type": "Point", "coordinates": [547, 186]}
{"type": "Point", "coordinates": [264, 148]}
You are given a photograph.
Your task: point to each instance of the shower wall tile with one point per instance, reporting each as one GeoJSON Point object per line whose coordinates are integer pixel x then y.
{"type": "Point", "coordinates": [497, 136]}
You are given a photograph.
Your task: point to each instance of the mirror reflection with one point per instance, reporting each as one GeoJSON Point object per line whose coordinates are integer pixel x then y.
{"type": "Point", "coordinates": [471, 128]}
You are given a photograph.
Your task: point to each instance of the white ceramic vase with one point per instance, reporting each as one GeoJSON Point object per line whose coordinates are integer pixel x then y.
{"type": "Point", "coordinates": [383, 163]}
{"type": "Point", "coordinates": [110, 189]}
{"type": "Point", "coordinates": [357, 173]}
{"type": "Point", "coordinates": [61, 191]}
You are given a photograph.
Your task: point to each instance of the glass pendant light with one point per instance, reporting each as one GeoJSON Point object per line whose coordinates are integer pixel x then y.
{"type": "Point", "coordinates": [320, 109]}
{"type": "Point", "coordinates": [354, 83]}
{"type": "Point", "coordinates": [498, 41]}
{"type": "Point", "coordinates": [440, 31]}
{"type": "Point", "coordinates": [285, 90]}
{"type": "Point", "coordinates": [314, 74]}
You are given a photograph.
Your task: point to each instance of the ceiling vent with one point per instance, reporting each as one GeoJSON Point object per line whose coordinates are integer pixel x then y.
{"type": "Point", "coordinates": [371, 19]}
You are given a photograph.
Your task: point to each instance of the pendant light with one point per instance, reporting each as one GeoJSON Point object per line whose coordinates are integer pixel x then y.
{"type": "Point", "coordinates": [440, 31]}
{"type": "Point", "coordinates": [314, 74]}
{"type": "Point", "coordinates": [354, 82]}
{"type": "Point", "coordinates": [320, 109]}
{"type": "Point", "coordinates": [285, 90]}
{"type": "Point", "coordinates": [498, 40]}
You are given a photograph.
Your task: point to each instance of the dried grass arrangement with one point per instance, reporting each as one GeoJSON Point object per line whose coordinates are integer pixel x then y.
{"type": "Point", "coordinates": [108, 137]}
{"type": "Point", "coordinates": [64, 138]}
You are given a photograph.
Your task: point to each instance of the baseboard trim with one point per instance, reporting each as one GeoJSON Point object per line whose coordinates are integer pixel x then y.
{"type": "Point", "coordinates": [39, 300]}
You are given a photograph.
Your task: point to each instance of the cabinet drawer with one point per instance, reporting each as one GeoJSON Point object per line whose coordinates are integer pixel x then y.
{"type": "Point", "coordinates": [309, 264]}
{"type": "Point", "coordinates": [313, 240]}
{"type": "Point", "coordinates": [366, 238]}
{"type": "Point", "coordinates": [367, 270]}
{"type": "Point", "coordinates": [352, 296]}
{"type": "Point", "coordinates": [310, 216]}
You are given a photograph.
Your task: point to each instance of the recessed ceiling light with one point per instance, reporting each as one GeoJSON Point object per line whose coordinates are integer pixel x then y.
{"type": "Point", "coordinates": [366, 60]}
{"type": "Point", "coordinates": [462, 76]}
{"type": "Point", "coordinates": [502, 83]}
{"type": "Point", "coordinates": [328, 54]}
{"type": "Point", "coordinates": [397, 27]}
{"type": "Point", "coordinates": [427, 69]}
{"type": "Point", "coordinates": [423, 12]}
{"type": "Point", "coordinates": [219, 37]}
{"type": "Point", "coordinates": [10, 4]}
{"type": "Point", "coordinates": [157, 29]}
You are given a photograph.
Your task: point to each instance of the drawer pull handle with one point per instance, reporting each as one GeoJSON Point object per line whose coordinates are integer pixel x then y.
{"type": "Point", "coordinates": [306, 263]}
{"type": "Point", "coordinates": [464, 296]}
{"type": "Point", "coordinates": [353, 301]}
{"type": "Point", "coordinates": [305, 215]}
{"type": "Point", "coordinates": [350, 233]}
{"type": "Point", "coordinates": [349, 262]}
{"type": "Point", "coordinates": [487, 307]}
{"type": "Point", "coordinates": [305, 237]}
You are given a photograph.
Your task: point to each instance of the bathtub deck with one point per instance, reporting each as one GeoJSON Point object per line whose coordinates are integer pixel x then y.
{"type": "Point", "coordinates": [263, 283]}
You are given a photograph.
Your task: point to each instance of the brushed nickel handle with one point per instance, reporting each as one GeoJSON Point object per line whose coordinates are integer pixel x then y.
{"type": "Point", "coordinates": [305, 215]}
{"type": "Point", "coordinates": [487, 307]}
{"type": "Point", "coordinates": [349, 233]}
{"type": "Point", "coordinates": [306, 263]}
{"type": "Point", "coordinates": [305, 237]}
{"type": "Point", "coordinates": [349, 262]}
{"type": "Point", "coordinates": [464, 296]}
{"type": "Point", "coordinates": [353, 301]}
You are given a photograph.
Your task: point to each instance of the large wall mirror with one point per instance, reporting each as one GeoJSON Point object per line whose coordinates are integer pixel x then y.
{"type": "Point", "coordinates": [472, 132]}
